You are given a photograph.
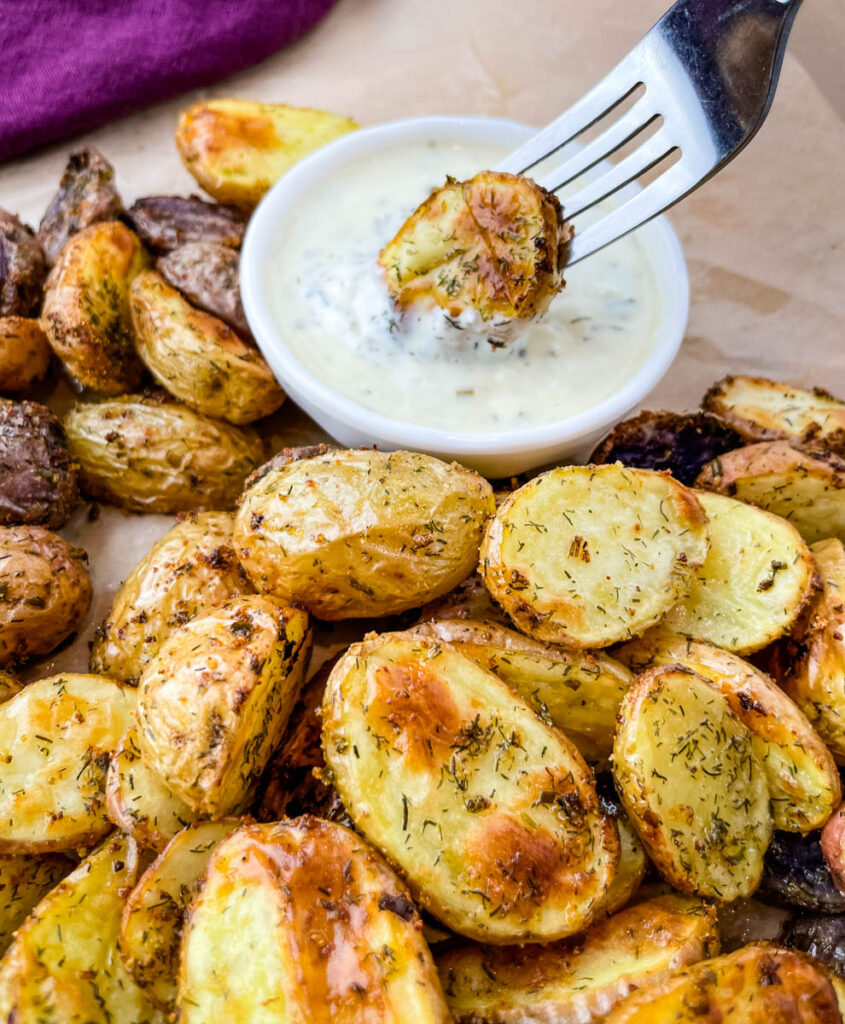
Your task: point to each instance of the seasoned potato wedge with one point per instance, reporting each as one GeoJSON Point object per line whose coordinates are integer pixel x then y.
{"type": "Point", "coordinates": [694, 788]}
{"type": "Point", "coordinates": [575, 691]}
{"type": "Point", "coordinates": [766, 410]}
{"type": "Point", "coordinates": [56, 737]}
{"type": "Point", "coordinates": [24, 353]}
{"type": "Point", "coordinates": [236, 149]}
{"type": "Point", "coordinates": [86, 307]}
{"type": "Point", "coordinates": [63, 963]}
{"type": "Point", "coordinates": [491, 814]}
{"type": "Point", "coordinates": [197, 358]}
{"type": "Point", "coordinates": [192, 567]}
{"type": "Point", "coordinates": [148, 454]}
{"type": "Point", "coordinates": [578, 981]}
{"type": "Point", "coordinates": [349, 534]}
{"type": "Point", "coordinates": [9, 686]}
{"type": "Point", "coordinates": [490, 249]}
{"type": "Point", "coordinates": [796, 875]}
{"type": "Point", "coordinates": [137, 800]}
{"type": "Point", "coordinates": [207, 274]}
{"type": "Point", "coordinates": [303, 921]}
{"type": "Point", "coordinates": [45, 591]}
{"type": "Point", "coordinates": [800, 771]}
{"type": "Point", "coordinates": [758, 984]}
{"type": "Point", "coordinates": [25, 878]}
{"type": "Point", "coordinates": [215, 700]}
{"type": "Point", "coordinates": [155, 911]}
{"type": "Point", "coordinates": [589, 555]}
{"type": "Point", "coordinates": [756, 579]}
{"type": "Point", "coordinates": [168, 222]}
{"type": "Point", "coordinates": [805, 487]}
{"type": "Point", "coordinates": [22, 267]}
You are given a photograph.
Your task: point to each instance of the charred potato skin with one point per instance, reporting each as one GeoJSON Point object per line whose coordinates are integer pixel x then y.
{"type": "Point", "coordinates": [146, 453]}
{"type": "Point", "coordinates": [207, 274]}
{"type": "Point", "coordinates": [45, 591]}
{"type": "Point", "coordinates": [22, 268]}
{"type": "Point", "coordinates": [351, 534]}
{"type": "Point", "coordinates": [24, 353]}
{"type": "Point", "coordinates": [169, 222]}
{"type": "Point", "coordinates": [86, 307]}
{"type": "Point", "coordinates": [38, 484]}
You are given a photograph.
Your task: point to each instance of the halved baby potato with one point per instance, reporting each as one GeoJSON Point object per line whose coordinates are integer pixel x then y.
{"type": "Point", "coordinates": [576, 691]}
{"type": "Point", "coordinates": [695, 790]}
{"type": "Point", "coordinates": [590, 555]}
{"type": "Point", "coordinates": [801, 774]}
{"type": "Point", "coordinates": [237, 149]}
{"type": "Point", "coordinates": [303, 921]}
{"type": "Point", "coordinates": [24, 353]}
{"type": "Point", "coordinates": [9, 686]}
{"type": "Point", "coordinates": [489, 813]}
{"type": "Point", "coordinates": [756, 579]}
{"type": "Point", "coordinates": [833, 848]}
{"type": "Point", "coordinates": [631, 869]}
{"type": "Point", "coordinates": [25, 878]}
{"type": "Point", "coordinates": [578, 981]}
{"type": "Point", "coordinates": [56, 738]}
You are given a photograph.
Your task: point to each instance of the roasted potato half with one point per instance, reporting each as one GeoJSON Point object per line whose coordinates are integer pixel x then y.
{"type": "Point", "coordinates": [589, 555]}
{"type": "Point", "coordinates": [168, 222]}
{"type": "Point", "coordinates": [193, 567]}
{"type": "Point", "coordinates": [488, 251]}
{"type": "Point", "coordinates": [22, 268]}
{"type": "Point", "coordinates": [575, 691]}
{"type": "Point", "coordinates": [236, 149]}
{"type": "Point", "coordinates": [45, 591]}
{"type": "Point", "coordinates": [197, 358]}
{"type": "Point", "coordinates": [800, 771]}
{"type": "Point", "coordinates": [490, 814]}
{"type": "Point", "coordinates": [349, 534]}
{"type": "Point", "coordinates": [86, 307]}
{"type": "Point", "coordinates": [9, 686]}
{"type": "Point", "coordinates": [755, 581]}
{"type": "Point", "coordinates": [24, 353]}
{"type": "Point", "coordinates": [25, 878]}
{"type": "Point", "coordinates": [63, 963]}
{"type": "Point", "coordinates": [469, 600]}
{"type": "Point", "coordinates": [147, 454]}
{"type": "Point", "coordinates": [303, 921]}
{"type": "Point", "coordinates": [766, 410]}
{"type": "Point", "coordinates": [758, 984]}
{"type": "Point", "coordinates": [155, 911]}
{"type": "Point", "coordinates": [578, 981]}
{"type": "Point", "coordinates": [215, 700]}
{"type": "Point", "coordinates": [208, 275]}
{"type": "Point", "coordinates": [56, 738]}
{"type": "Point", "coordinates": [693, 787]}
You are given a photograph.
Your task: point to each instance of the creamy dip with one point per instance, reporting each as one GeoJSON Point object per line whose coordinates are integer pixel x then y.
{"type": "Point", "coordinates": [333, 311]}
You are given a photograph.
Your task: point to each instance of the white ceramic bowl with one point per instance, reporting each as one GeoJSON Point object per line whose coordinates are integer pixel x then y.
{"type": "Point", "coordinates": [495, 454]}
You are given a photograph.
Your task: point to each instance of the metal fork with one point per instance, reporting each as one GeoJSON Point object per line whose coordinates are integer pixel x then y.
{"type": "Point", "coordinates": [709, 68]}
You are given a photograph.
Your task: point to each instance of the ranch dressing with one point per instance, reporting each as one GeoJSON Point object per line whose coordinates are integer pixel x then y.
{"type": "Point", "coordinates": [333, 310]}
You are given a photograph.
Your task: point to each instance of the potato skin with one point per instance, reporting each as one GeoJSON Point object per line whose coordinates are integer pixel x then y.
{"type": "Point", "coordinates": [797, 875]}
{"type": "Point", "coordinates": [197, 358]}
{"type": "Point", "coordinates": [24, 353]}
{"type": "Point", "coordinates": [86, 307]}
{"type": "Point", "coordinates": [45, 591]}
{"type": "Point", "coordinates": [22, 268]}
{"type": "Point", "coordinates": [833, 847]}
{"type": "Point", "coordinates": [191, 568]}
{"type": "Point", "coordinates": [169, 222]}
{"type": "Point", "coordinates": [38, 484]}
{"type": "Point", "coordinates": [207, 274]}
{"type": "Point", "coordinates": [350, 534]}
{"type": "Point", "coordinates": [146, 453]}
{"type": "Point", "coordinates": [215, 700]}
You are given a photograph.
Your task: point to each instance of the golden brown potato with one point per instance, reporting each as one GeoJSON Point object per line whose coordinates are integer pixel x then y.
{"type": "Point", "coordinates": [766, 410]}
{"type": "Point", "coordinates": [25, 879]}
{"type": "Point", "coordinates": [215, 700]}
{"type": "Point", "coordinates": [86, 307]}
{"type": "Point", "coordinates": [469, 600]}
{"type": "Point", "coordinates": [9, 686]}
{"type": "Point", "coordinates": [63, 964]}
{"type": "Point", "coordinates": [576, 691]}
{"type": "Point", "coordinates": [236, 149]}
{"type": "Point", "coordinates": [349, 534]}
{"type": "Point", "coordinates": [578, 981]}
{"type": "Point", "coordinates": [45, 591]}
{"type": "Point", "coordinates": [490, 249]}
{"type": "Point", "coordinates": [758, 984]}
{"type": "Point", "coordinates": [695, 790]}
{"type": "Point", "coordinates": [800, 771]}
{"type": "Point", "coordinates": [155, 911]}
{"type": "Point", "coordinates": [805, 487]}
{"type": "Point", "coordinates": [631, 869]}
{"type": "Point", "coordinates": [192, 567]}
{"type": "Point", "coordinates": [56, 738]}
{"type": "Point", "coordinates": [149, 454]}
{"type": "Point", "coordinates": [589, 555]}
{"type": "Point", "coordinates": [24, 353]}
{"type": "Point", "coordinates": [302, 921]}
{"type": "Point", "coordinates": [197, 358]}
{"type": "Point", "coordinates": [754, 583]}
{"type": "Point", "coordinates": [490, 814]}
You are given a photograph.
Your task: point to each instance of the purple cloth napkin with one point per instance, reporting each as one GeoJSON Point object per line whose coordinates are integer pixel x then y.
{"type": "Point", "coordinates": [69, 65]}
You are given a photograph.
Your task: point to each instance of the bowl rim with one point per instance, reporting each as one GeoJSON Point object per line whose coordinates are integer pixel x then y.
{"type": "Point", "coordinates": [302, 384]}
